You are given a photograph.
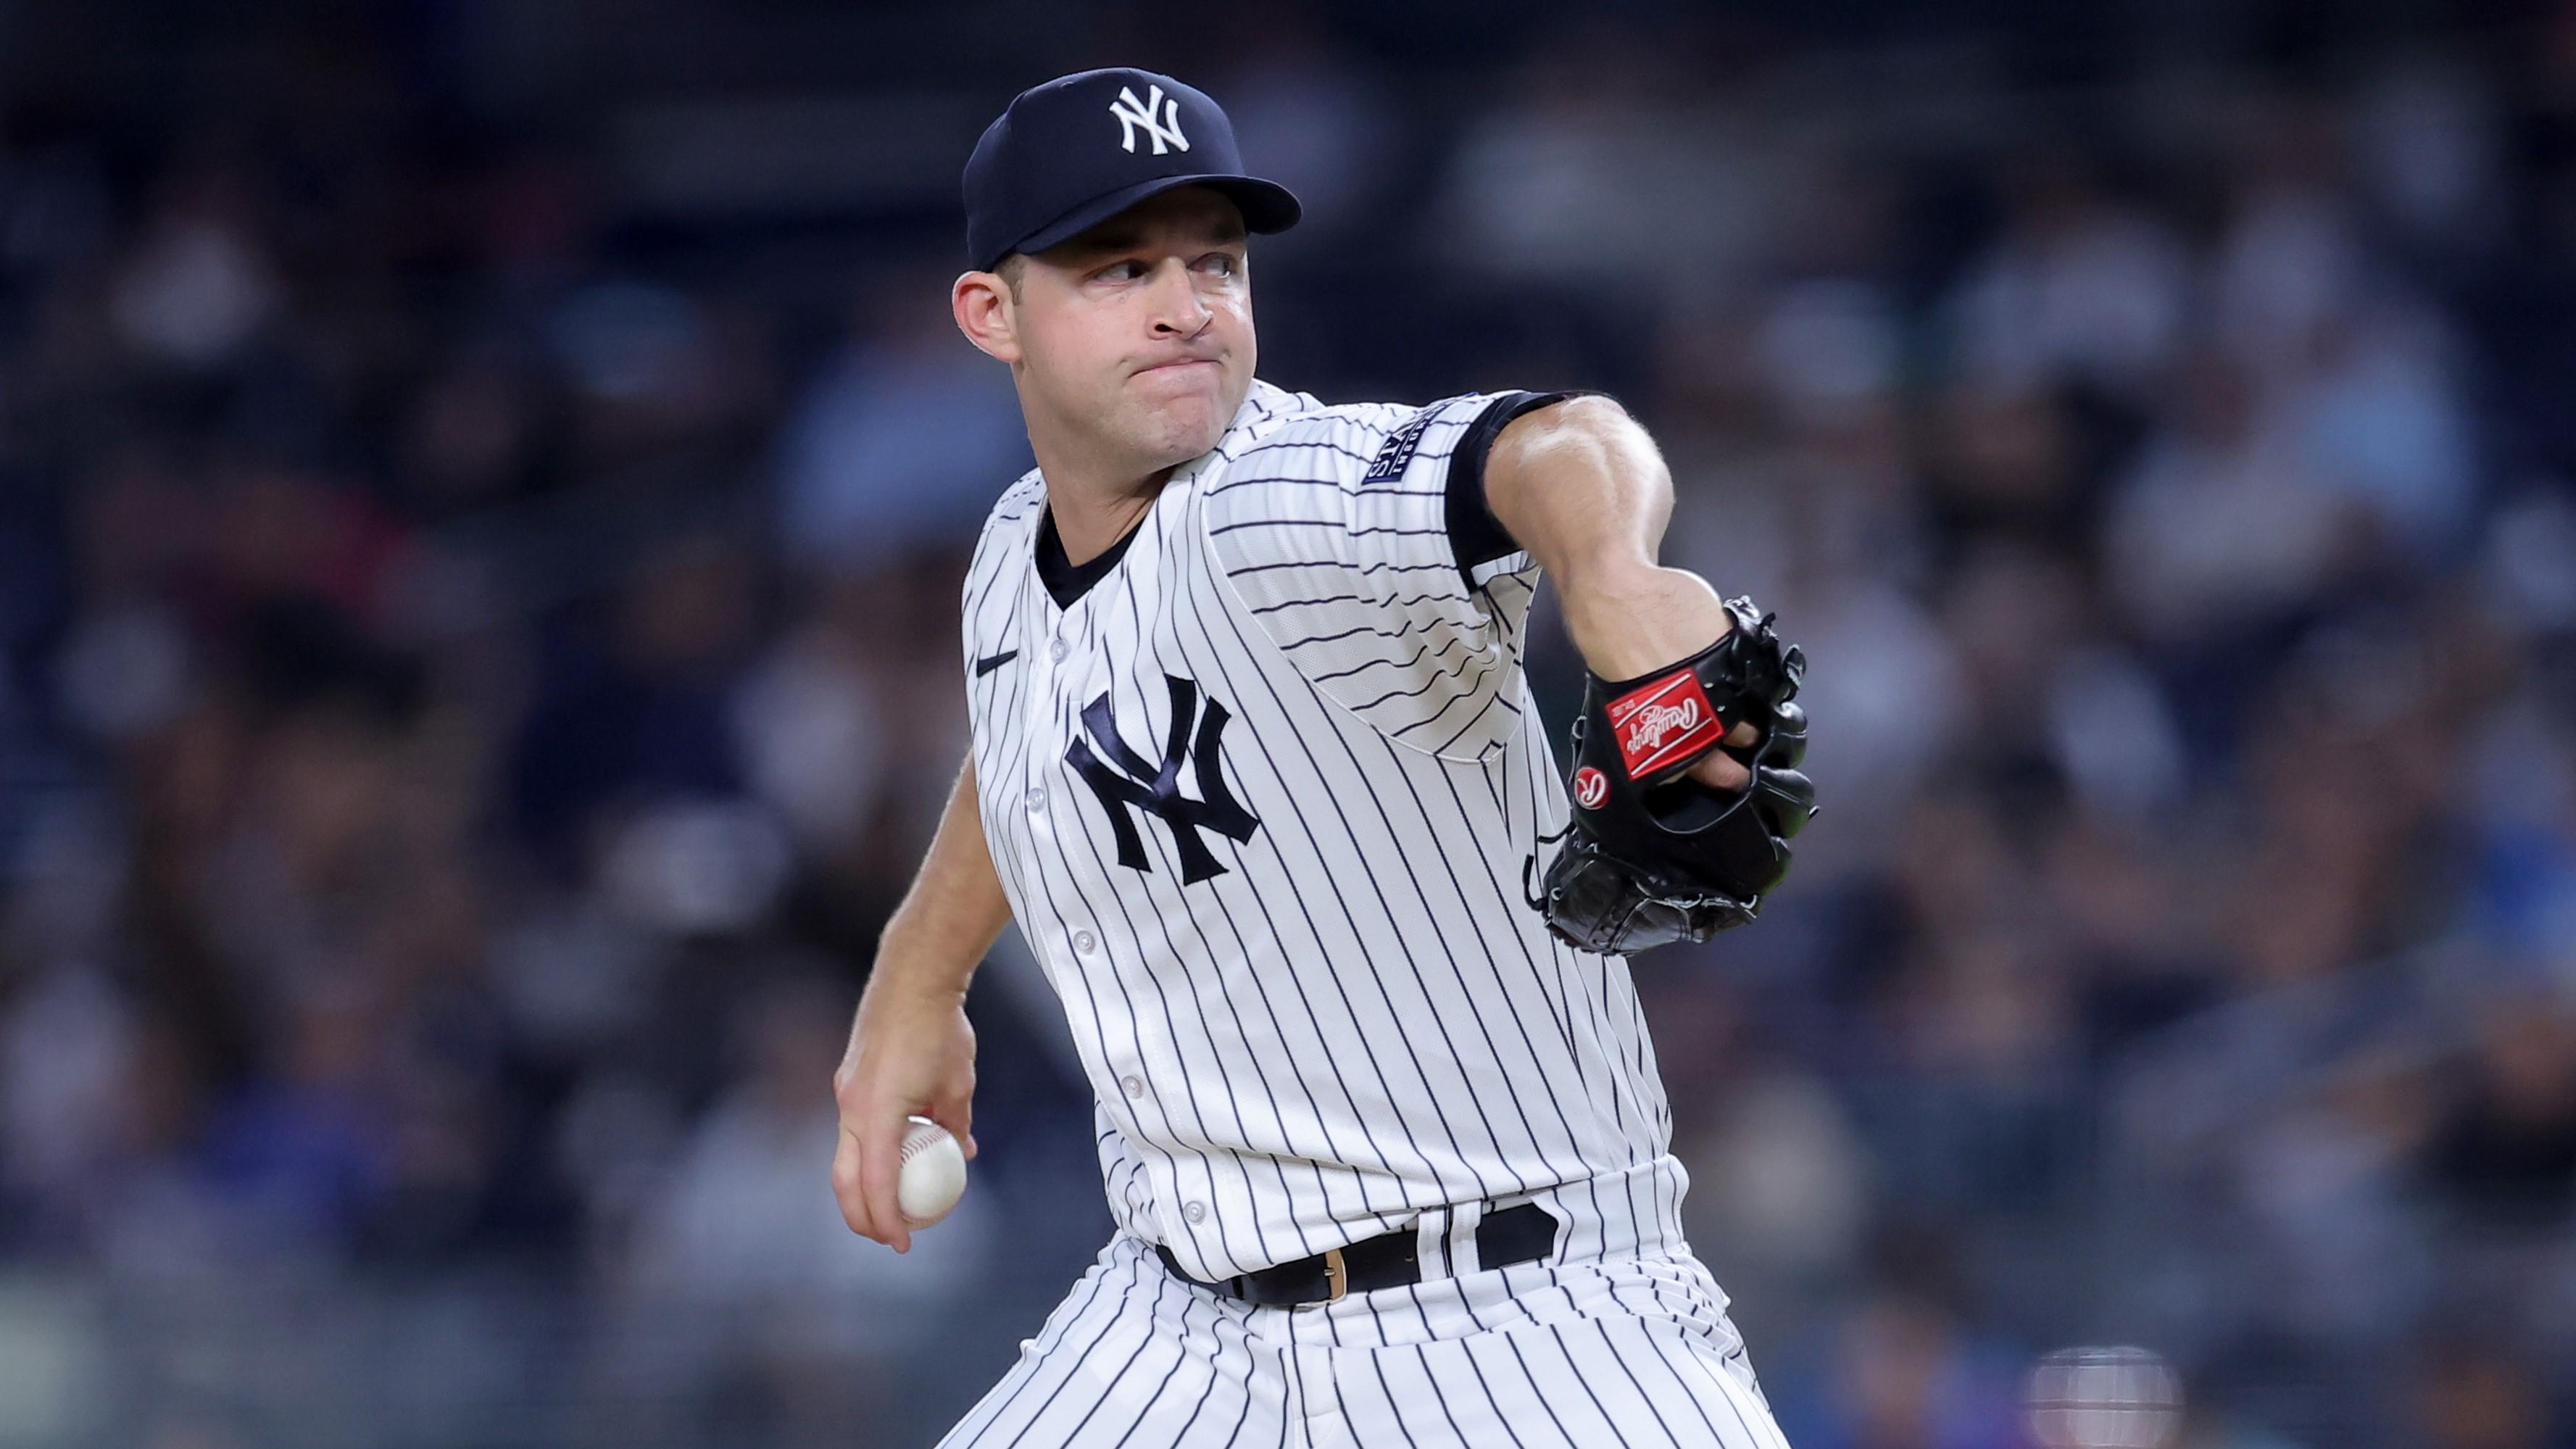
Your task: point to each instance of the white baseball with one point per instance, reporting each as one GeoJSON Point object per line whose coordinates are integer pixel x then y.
{"type": "Point", "coordinates": [933, 1176]}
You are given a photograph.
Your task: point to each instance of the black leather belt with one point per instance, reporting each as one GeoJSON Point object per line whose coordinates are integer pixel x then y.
{"type": "Point", "coordinates": [1511, 1235]}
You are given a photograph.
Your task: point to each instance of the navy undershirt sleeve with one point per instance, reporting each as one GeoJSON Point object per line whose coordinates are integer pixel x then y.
{"type": "Point", "coordinates": [1474, 533]}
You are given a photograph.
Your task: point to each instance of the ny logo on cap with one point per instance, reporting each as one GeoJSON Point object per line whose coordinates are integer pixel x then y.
{"type": "Point", "coordinates": [1165, 128]}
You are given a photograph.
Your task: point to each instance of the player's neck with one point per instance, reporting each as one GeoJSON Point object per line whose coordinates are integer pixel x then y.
{"type": "Point", "coordinates": [1093, 511]}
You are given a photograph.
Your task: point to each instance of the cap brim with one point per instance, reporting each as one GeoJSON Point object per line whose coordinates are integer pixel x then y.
{"type": "Point", "coordinates": [1267, 207]}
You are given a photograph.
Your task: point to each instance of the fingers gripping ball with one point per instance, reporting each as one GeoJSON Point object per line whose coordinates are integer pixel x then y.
{"type": "Point", "coordinates": [1651, 855]}
{"type": "Point", "coordinates": [933, 1175]}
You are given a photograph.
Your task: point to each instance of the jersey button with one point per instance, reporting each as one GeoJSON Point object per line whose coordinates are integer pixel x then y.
{"type": "Point", "coordinates": [1083, 942]}
{"type": "Point", "coordinates": [1196, 1212]}
{"type": "Point", "coordinates": [1037, 799]}
{"type": "Point", "coordinates": [1057, 650]}
{"type": "Point", "coordinates": [1135, 1085]}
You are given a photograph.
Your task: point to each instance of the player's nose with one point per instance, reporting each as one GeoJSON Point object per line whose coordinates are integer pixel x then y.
{"type": "Point", "coordinates": [1178, 307]}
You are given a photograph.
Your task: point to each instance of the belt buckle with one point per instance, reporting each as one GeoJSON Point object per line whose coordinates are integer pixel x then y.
{"type": "Point", "coordinates": [1337, 1279]}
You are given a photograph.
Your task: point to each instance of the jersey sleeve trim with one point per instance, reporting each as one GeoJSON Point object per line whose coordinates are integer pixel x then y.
{"type": "Point", "coordinates": [1478, 537]}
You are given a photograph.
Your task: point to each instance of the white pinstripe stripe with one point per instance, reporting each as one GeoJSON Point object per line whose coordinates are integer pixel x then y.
{"type": "Point", "coordinates": [1127, 1364]}
{"type": "Point", "coordinates": [1746, 1403]}
{"type": "Point", "coordinates": [1356, 1019]}
{"type": "Point", "coordinates": [1047, 1349]}
{"type": "Point", "coordinates": [1394, 1414]}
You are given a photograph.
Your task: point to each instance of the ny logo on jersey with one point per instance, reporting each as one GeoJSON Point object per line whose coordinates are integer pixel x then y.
{"type": "Point", "coordinates": [1160, 118]}
{"type": "Point", "coordinates": [1127, 778]}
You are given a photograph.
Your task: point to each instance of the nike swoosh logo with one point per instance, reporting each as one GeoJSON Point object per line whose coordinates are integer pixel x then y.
{"type": "Point", "coordinates": [987, 666]}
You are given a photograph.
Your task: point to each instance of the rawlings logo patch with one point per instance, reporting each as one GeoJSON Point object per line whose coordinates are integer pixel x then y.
{"type": "Point", "coordinates": [1396, 454]}
{"type": "Point", "coordinates": [1591, 787]}
{"type": "Point", "coordinates": [1663, 721]}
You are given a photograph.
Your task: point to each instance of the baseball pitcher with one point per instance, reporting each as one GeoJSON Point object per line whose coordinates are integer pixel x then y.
{"type": "Point", "coordinates": [1255, 768]}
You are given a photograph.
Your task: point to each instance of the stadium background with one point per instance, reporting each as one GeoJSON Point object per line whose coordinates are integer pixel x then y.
{"type": "Point", "coordinates": [482, 490]}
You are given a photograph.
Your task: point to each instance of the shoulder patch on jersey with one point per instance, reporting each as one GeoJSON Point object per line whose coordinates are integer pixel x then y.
{"type": "Point", "coordinates": [1397, 453]}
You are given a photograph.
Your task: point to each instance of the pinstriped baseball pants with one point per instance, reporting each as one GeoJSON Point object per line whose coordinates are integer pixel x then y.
{"type": "Point", "coordinates": [1630, 1351]}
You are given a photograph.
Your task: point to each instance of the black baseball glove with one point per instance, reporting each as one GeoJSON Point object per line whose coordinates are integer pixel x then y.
{"type": "Point", "coordinates": [1650, 855]}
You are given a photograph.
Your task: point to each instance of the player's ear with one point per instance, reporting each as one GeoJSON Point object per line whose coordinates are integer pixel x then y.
{"type": "Point", "coordinates": [981, 302]}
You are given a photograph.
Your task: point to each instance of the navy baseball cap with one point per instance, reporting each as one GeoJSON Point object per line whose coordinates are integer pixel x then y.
{"type": "Point", "coordinates": [1082, 148]}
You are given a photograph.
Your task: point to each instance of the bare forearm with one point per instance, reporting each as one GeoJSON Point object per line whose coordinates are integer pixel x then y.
{"type": "Point", "coordinates": [912, 1050]}
{"type": "Point", "coordinates": [953, 911]}
{"type": "Point", "coordinates": [1584, 489]}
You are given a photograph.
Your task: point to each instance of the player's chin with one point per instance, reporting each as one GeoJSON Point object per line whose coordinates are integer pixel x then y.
{"type": "Point", "coordinates": [1187, 425]}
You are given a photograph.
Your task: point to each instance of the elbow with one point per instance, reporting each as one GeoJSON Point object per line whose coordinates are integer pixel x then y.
{"type": "Point", "coordinates": [1582, 485]}
{"type": "Point", "coordinates": [1591, 425]}
{"type": "Point", "coordinates": [1597, 411]}
{"type": "Point", "coordinates": [1584, 442]}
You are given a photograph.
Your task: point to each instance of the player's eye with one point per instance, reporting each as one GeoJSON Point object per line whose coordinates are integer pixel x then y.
{"type": "Point", "coordinates": [1224, 262]}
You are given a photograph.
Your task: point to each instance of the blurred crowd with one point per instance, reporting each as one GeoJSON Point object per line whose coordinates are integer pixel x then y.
{"type": "Point", "coordinates": [478, 663]}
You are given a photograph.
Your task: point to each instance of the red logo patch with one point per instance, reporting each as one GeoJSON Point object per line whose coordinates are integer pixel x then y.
{"type": "Point", "coordinates": [1663, 721]}
{"type": "Point", "coordinates": [1591, 787]}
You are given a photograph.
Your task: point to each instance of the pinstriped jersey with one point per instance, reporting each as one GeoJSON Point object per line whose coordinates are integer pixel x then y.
{"type": "Point", "coordinates": [1261, 799]}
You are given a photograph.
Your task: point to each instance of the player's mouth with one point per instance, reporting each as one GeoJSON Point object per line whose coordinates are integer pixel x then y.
{"type": "Point", "coordinates": [1178, 366]}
